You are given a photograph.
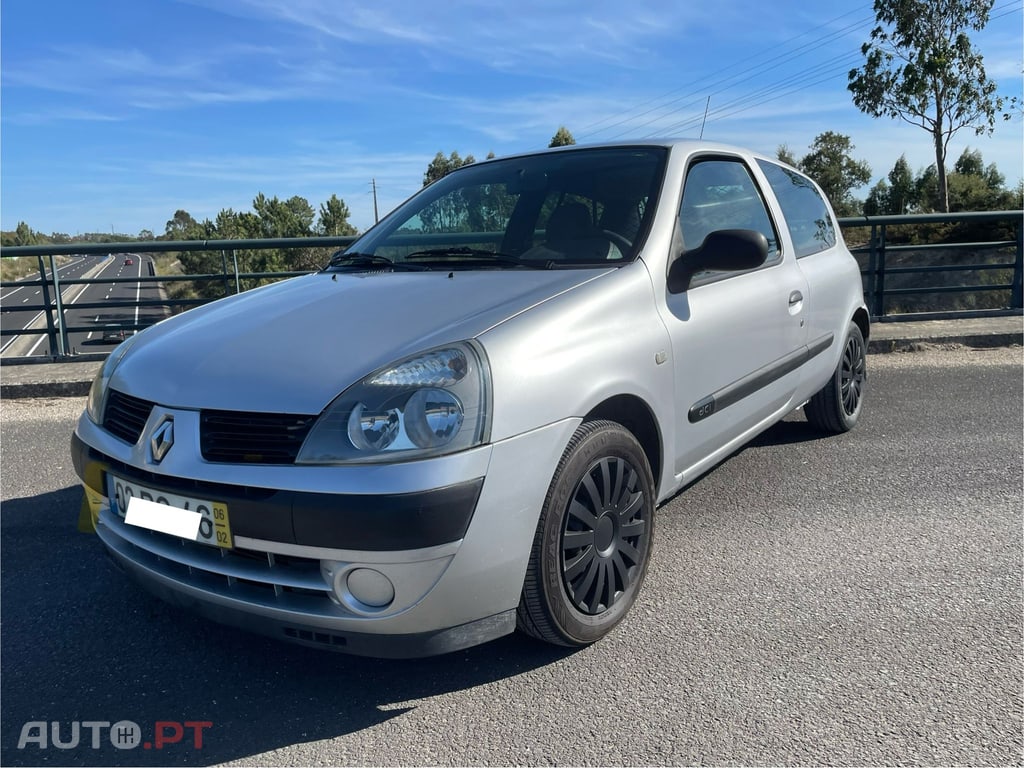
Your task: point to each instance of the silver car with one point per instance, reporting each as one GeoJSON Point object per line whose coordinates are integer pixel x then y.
{"type": "Point", "coordinates": [465, 423]}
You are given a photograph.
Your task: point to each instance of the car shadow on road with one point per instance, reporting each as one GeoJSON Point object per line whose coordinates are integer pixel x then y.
{"type": "Point", "coordinates": [81, 642]}
{"type": "Point", "coordinates": [794, 429]}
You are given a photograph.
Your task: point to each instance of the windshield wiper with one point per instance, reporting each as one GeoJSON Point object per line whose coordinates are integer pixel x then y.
{"type": "Point", "coordinates": [368, 261]}
{"type": "Point", "coordinates": [459, 255]}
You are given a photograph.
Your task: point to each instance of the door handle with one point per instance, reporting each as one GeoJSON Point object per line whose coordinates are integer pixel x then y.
{"type": "Point", "coordinates": [795, 298]}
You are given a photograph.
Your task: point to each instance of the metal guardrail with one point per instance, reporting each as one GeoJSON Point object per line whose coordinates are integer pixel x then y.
{"type": "Point", "coordinates": [877, 252]}
{"type": "Point", "coordinates": [876, 256]}
{"type": "Point", "coordinates": [54, 310]}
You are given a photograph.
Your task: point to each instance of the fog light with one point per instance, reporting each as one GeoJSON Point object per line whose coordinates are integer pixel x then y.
{"type": "Point", "coordinates": [370, 587]}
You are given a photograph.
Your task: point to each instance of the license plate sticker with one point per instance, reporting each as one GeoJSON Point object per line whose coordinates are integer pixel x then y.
{"type": "Point", "coordinates": [213, 527]}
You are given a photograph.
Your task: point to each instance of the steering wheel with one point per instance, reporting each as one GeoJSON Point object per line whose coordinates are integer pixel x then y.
{"type": "Point", "coordinates": [618, 240]}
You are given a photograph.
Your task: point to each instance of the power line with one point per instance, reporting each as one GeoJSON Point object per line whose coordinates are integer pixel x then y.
{"type": "Point", "coordinates": [745, 104]}
{"type": "Point", "coordinates": [772, 92]}
{"type": "Point", "coordinates": [1014, 7]}
{"type": "Point", "coordinates": [660, 103]}
{"type": "Point", "coordinates": [803, 78]}
{"type": "Point", "coordinates": [663, 107]}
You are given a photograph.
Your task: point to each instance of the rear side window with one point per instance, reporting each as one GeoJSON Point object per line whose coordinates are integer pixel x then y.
{"type": "Point", "coordinates": [807, 217]}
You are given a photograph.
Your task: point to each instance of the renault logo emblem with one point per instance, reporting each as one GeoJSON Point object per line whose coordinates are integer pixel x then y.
{"type": "Point", "coordinates": [162, 440]}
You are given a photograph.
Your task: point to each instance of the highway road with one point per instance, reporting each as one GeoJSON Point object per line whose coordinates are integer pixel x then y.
{"type": "Point", "coordinates": [814, 600]}
{"type": "Point", "coordinates": [14, 300]}
{"type": "Point", "coordinates": [88, 306]}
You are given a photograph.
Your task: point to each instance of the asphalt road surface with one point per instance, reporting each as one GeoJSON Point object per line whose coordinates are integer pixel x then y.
{"type": "Point", "coordinates": [92, 306]}
{"type": "Point", "coordinates": [20, 307]}
{"type": "Point", "coordinates": [814, 600]}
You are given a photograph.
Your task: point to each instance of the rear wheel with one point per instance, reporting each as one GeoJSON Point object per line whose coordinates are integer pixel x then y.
{"type": "Point", "coordinates": [836, 407]}
{"type": "Point", "coordinates": [593, 540]}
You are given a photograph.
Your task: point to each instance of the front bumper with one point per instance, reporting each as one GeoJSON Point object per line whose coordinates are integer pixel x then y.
{"type": "Point", "coordinates": [453, 535]}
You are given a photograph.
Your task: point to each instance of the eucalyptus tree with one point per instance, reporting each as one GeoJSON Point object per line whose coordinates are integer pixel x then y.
{"type": "Point", "coordinates": [920, 67]}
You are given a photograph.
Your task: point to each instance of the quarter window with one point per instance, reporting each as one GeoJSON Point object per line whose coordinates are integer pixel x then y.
{"type": "Point", "coordinates": [807, 216]}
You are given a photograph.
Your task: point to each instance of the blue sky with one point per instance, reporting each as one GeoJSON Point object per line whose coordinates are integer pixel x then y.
{"type": "Point", "coordinates": [115, 114]}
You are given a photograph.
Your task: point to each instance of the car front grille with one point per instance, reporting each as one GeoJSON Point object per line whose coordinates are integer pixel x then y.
{"type": "Point", "coordinates": [252, 438]}
{"type": "Point", "coordinates": [125, 416]}
{"type": "Point", "coordinates": [229, 437]}
{"type": "Point", "coordinates": [258, 579]}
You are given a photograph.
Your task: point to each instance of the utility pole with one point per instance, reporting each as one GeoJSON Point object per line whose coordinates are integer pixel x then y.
{"type": "Point", "coordinates": [376, 216]}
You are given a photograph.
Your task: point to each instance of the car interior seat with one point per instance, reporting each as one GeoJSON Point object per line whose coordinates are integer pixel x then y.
{"type": "Point", "coordinates": [571, 232]}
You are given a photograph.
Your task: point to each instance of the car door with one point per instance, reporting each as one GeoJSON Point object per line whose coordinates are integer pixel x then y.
{"type": "Point", "coordinates": [737, 337]}
{"type": "Point", "coordinates": [832, 274]}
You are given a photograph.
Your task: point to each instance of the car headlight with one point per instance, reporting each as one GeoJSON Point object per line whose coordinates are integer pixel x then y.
{"type": "Point", "coordinates": [429, 404]}
{"type": "Point", "coordinates": [98, 391]}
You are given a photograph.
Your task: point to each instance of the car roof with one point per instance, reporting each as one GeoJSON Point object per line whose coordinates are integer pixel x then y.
{"type": "Point", "coordinates": [684, 144]}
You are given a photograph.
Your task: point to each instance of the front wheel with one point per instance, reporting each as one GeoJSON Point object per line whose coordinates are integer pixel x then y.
{"type": "Point", "coordinates": [837, 406]}
{"type": "Point", "coordinates": [593, 540]}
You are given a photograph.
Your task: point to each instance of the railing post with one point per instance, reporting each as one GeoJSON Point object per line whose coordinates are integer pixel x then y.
{"type": "Point", "coordinates": [51, 332]}
{"type": "Point", "coordinates": [234, 258]}
{"type": "Point", "coordinates": [224, 269]}
{"type": "Point", "coordinates": [879, 298]}
{"type": "Point", "coordinates": [62, 334]}
{"type": "Point", "coordinates": [1017, 292]}
{"type": "Point", "coordinates": [869, 293]}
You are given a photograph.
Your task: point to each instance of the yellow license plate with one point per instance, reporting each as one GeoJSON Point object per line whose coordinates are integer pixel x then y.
{"type": "Point", "coordinates": [214, 527]}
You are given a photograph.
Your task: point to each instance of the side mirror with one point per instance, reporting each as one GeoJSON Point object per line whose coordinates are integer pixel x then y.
{"type": "Point", "coordinates": [727, 250]}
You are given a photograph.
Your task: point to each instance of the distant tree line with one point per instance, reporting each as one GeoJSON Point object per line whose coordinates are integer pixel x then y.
{"type": "Point", "coordinates": [441, 166]}
{"type": "Point", "coordinates": [970, 186]}
{"type": "Point", "coordinates": [270, 217]}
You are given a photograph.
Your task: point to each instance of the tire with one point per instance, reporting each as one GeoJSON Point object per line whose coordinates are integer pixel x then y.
{"type": "Point", "coordinates": [837, 406]}
{"type": "Point", "coordinates": [593, 540]}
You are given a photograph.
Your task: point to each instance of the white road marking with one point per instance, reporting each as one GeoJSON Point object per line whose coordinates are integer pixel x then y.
{"type": "Point", "coordinates": [35, 346]}
{"type": "Point", "coordinates": [43, 337]}
{"type": "Point", "coordinates": [79, 263]}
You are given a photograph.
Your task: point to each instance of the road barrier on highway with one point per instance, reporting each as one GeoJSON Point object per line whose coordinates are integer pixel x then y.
{"type": "Point", "coordinates": [910, 265]}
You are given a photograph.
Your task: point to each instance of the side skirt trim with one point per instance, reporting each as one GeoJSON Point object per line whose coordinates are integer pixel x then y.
{"type": "Point", "coordinates": [752, 382]}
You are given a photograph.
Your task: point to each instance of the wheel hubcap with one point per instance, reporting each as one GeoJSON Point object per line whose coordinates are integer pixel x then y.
{"type": "Point", "coordinates": [853, 375]}
{"type": "Point", "coordinates": [605, 535]}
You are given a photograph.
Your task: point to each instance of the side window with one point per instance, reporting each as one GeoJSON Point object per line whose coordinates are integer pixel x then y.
{"type": "Point", "coordinates": [807, 217]}
{"type": "Point", "coordinates": [721, 194]}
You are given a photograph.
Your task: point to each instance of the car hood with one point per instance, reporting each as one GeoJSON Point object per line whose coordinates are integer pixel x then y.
{"type": "Point", "coordinates": [296, 345]}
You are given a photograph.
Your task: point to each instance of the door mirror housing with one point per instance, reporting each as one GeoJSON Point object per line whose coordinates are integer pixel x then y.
{"type": "Point", "coordinates": [725, 250]}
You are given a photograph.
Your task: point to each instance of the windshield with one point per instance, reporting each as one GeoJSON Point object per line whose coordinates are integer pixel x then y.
{"type": "Point", "coordinates": [577, 208]}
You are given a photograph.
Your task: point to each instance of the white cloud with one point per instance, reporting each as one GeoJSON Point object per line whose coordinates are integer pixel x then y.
{"type": "Point", "coordinates": [57, 114]}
